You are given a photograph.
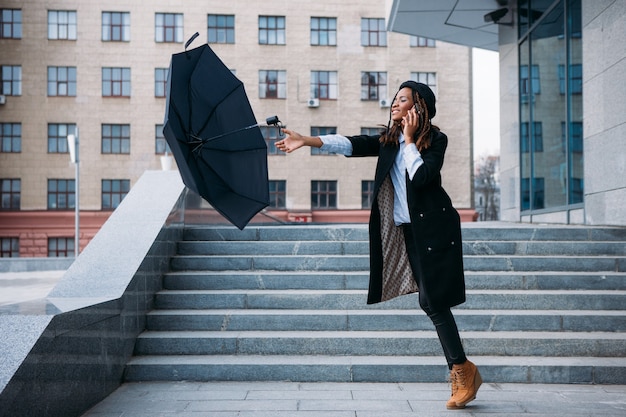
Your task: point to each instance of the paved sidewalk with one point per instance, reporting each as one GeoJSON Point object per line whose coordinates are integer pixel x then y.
{"type": "Point", "coordinates": [16, 287]}
{"type": "Point", "coordinates": [292, 399]}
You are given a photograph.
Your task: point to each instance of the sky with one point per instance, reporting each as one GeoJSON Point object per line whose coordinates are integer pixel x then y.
{"type": "Point", "coordinates": [486, 89]}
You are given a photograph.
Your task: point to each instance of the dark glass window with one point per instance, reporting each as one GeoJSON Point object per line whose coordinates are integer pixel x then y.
{"type": "Point", "coordinates": [61, 194]}
{"type": "Point", "coordinates": [116, 26]}
{"type": "Point", "coordinates": [221, 28]}
{"type": "Point", "coordinates": [10, 137]}
{"type": "Point", "coordinates": [115, 139]}
{"type": "Point", "coordinates": [113, 192]}
{"type": "Point", "coordinates": [10, 193]}
{"type": "Point", "coordinates": [324, 31]}
{"type": "Point", "coordinates": [168, 27]}
{"type": "Point", "coordinates": [10, 24]}
{"type": "Point", "coordinates": [62, 81]}
{"type": "Point", "coordinates": [278, 194]}
{"type": "Point", "coordinates": [373, 32]}
{"type": "Point", "coordinates": [323, 195]}
{"type": "Point", "coordinates": [272, 30]}
{"type": "Point", "coordinates": [373, 85]}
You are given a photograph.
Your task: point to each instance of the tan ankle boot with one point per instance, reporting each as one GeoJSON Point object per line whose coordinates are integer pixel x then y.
{"type": "Point", "coordinates": [465, 381]}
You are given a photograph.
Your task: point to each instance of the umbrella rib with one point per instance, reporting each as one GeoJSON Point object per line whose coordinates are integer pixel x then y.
{"type": "Point", "coordinates": [223, 134]}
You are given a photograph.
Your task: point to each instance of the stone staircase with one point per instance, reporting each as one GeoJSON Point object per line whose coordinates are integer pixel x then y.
{"type": "Point", "coordinates": [272, 303]}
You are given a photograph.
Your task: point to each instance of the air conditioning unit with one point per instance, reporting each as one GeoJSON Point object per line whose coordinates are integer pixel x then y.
{"type": "Point", "coordinates": [313, 102]}
{"type": "Point", "coordinates": [3, 99]}
{"type": "Point", "coordinates": [384, 102]}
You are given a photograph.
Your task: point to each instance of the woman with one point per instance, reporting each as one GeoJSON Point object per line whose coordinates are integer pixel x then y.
{"type": "Point", "coordinates": [415, 233]}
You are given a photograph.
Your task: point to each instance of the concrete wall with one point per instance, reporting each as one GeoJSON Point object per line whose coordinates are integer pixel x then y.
{"type": "Point", "coordinates": [604, 75]}
{"type": "Point", "coordinates": [63, 354]}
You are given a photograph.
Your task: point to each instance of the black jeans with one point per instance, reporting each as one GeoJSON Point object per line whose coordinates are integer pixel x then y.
{"type": "Point", "coordinates": [442, 319]}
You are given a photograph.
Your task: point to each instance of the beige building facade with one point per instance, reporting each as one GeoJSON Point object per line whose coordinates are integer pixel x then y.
{"type": "Point", "coordinates": [98, 67]}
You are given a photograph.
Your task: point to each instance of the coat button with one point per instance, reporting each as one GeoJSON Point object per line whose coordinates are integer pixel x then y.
{"type": "Point", "coordinates": [430, 249]}
{"type": "Point", "coordinates": [444, 209]}
{"type": "Point", "coordinates": [452, 243]}
{"type": "Point", "coordinates": [421, 214]}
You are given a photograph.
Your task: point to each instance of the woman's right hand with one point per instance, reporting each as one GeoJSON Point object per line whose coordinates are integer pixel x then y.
{"type": "Point", "coordinates": [293, 141]}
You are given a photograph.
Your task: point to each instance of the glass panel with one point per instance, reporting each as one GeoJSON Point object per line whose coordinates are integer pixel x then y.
{"type": "Point", "coordinates": [524, 128]}
{"type": "Point", "coordinates": [549, 163]}
{"type": "Point", "coordinates": [575, 104]}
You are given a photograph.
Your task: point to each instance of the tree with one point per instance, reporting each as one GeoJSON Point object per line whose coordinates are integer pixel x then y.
{"type": "Point", "coordinates": [487, 186]}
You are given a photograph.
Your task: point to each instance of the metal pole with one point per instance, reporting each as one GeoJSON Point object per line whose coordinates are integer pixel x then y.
{"type": "Point", "coordinates": [72, 144]}
{"type": "Point", "coordinates": [77, 203]}
{"type": "Point", "coordinates": [77, 210]}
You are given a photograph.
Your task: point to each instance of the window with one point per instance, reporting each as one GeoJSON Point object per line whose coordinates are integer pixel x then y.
{"type": "Point", "coordinates": [272, 30]}
{"type": "Point", "coordinates": [62, 81]}
{"type": "Point", "coordinates": [115, 139]}
{"type": "Point", "coordinates": [61, 24]}
{"type": "Point", "coordinates": [221, 28]}
{"type": "Point", "coordinates": [10, 137]}
{"type": "Point", "coordinates": [538, 194]}
{"type": "Point", "coordinates": [367, 194]}
{"type": "Point", "coordinates": [324, 85]}
{"type": "Point", "coordinates": [318, 131]}
{"type": "Point", "coordinates": [371, 131]}
{"type": "Point", "coordinates": [575, 79]}
{"type": "Point", "coordinates": [537, 144]}
{"type": "Point", "coordinates": [323, 195]}
{"type": "Point", "coordinates": [160, 144]}
{"type": "Point", "coordinates": [428, 78]}
{"type": "Point", "coordinates": [57, 136]}
{"type": "Point", "coordinates": [115, 82]}
{"type": "Point", "coordinates": [421, 42]}
{"type": "Point", "coordinates": [113, 192]}
{"type": "Point", "coordinates": [373, 85]}
{"type": "Point", "coordinates": [10, 24]}
{"type": "Point", "coordinates": [9, 247]}
{"type": "Point", "coordinates": [11, 80]}
{"type": "Point", "coordinates": [272, 84]}
{"type": "Point", "coordinates": [115, 26]}
{"type": "Point", "coordinates": [324, 31]}
{"type": "Point", "coordinates": [271, 134]}
{"type": "Point", "coordinates": [60, 247]}
{"type": "Point", "coordinates": [373, 32]}
{"type": "Point", "coordinates": [278, 195]}
{"type": "Point", "coordinates": [576, 134]}
{"type": "Point", "coordinates": [168, 27]}
{"type": "Point", "coordinates": [528, 81]}
{"type": "Point", "coordinates": [160, 81]}
{"type": "Point", "coordinates": [10, 189]}
{"type": "Point", "coordinates": [61, 195]}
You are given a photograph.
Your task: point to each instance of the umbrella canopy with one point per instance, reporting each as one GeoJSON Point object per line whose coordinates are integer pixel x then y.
{"type": "Point", "coordinates": [213, 134]}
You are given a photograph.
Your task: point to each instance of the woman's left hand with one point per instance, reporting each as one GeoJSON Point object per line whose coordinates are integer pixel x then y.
{"type": "Point", "coordinates": [409, 125]}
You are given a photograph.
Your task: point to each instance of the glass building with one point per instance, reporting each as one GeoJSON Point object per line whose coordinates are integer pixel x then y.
{"type": "Point", "coordinates": [562, 100]}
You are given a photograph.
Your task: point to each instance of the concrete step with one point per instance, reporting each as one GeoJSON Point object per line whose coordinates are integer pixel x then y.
{"type": "Point", "coordinates": [358, 280]}
{"type": "Point", "coordinates": [542, 248]}
{"type": "Point", "coordinates": [270, 303]}
{"type": "Point", "coordinates": [384, 320]}
{"type": "Point", "coordinates": [377, 343]}
{"type": "Point", "coordinates": [470, 231]}
{"type": "Point", "coordinates": [361, 263]}
{"type": "Point", "coordinates": [337, 368]}
{"type": "Point", "coordinates": [356, 300]}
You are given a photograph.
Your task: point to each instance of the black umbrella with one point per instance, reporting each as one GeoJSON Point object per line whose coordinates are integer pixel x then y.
{"type": "Point", "coordinates": [213, 134]}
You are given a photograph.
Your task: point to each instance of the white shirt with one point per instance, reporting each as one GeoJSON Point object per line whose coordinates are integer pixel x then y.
{"type": "Point", "coordinates": [408, 160]}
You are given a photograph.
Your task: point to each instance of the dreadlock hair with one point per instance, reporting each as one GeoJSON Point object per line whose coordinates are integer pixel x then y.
{"type": "Point", "coordinates": [390, 136]}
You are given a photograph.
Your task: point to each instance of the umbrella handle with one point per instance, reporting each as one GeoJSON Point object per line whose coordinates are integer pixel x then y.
{"type": "Point", "coordinates": [193, 37]}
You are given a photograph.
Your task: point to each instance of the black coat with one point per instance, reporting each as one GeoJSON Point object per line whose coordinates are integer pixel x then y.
{"type": "Point", "coordinates": [436, 225]}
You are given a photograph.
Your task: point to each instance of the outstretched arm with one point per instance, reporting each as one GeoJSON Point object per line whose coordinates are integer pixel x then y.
{"type": "Point", "coordinates": [295, 140]}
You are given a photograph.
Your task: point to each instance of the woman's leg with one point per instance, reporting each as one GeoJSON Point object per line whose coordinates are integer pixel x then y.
{"type": "Point", "coordinates": [448, 335]}
{"type": "Point", "coordinates": [464, 375]}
